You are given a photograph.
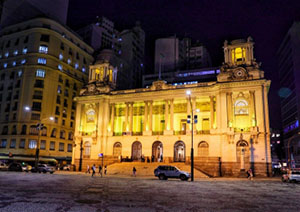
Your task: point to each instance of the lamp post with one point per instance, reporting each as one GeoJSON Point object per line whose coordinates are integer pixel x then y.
{"type": "Point", "coordinates": [193, 119]}
{"type": "Point", "coordinates": [39, 126]}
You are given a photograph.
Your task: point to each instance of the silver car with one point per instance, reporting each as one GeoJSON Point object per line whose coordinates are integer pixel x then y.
{"type": "Point", "coordinates": [165, 172]}
{"type": "Point", "coordinates": [291, 175]}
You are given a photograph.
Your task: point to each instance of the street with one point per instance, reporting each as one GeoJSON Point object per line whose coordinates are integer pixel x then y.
{"type": "Point", "coordinates": [64, 191]}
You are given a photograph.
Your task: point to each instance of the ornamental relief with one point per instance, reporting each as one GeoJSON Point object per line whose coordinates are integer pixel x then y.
{"type": "Point", "coordinates": [180, 108]}
{"type": "Point", "coordinates": [158, 109]}
{"type": "Point", "coordinates": [138, 111]}
{"type": "Point", "coordinates": [203, 106]}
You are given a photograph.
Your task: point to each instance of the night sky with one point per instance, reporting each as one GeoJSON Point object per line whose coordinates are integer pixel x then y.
{"type": "Point", "coordinates": [209, 21]}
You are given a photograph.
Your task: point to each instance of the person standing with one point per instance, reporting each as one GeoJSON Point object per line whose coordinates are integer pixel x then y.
{"type": "Point", "coordinates": [105, 170]}
{"type": "Point", "coordinates": [100, 170]}
{"type": "Point", "coordinates": [93, 170]}
{"type": "Point", "coordinates": [250, 174]}
{"type": "Point", "coordinates": [87, 169]}
{"type": "Point", "coordinates": [134, 171]}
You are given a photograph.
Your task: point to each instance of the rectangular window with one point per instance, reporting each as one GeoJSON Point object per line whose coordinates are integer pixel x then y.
{"type": "Point", "coordinates": [59, 89]}
{"type": "Point", "coordinates": [40, 73]}
{"type": "Point", "coordinates": [43, 49]}
{"type": "Point", "coordinates": [24, 51]}
{"type": "Point", "coordinates": [42, 61]}
{"type": "Point", "coordinates": [43, 144]}
{"type": "Point", "coordinates": [22, 144]}
{"type": "Point", "coordinates": [32, 144]}
{"type": "Point", "coordinates": [12, 143]}
{"type": "Point", "coordinates": [61, 147]}
{"type": "Point", "coordinates": [45, 38]}
{"type": "Point", "coordinates": [3, 143]}
{"type": "Point", "coordinates": [39, 84]}
{"type": "Point", "coordinates": [36, 106]}
{"type": "Point", "coordinates": [69, 147]}
{"type": "Point", "coordinates": [35, 116]}
{"type": "Point", "coordinates": [52, 145]}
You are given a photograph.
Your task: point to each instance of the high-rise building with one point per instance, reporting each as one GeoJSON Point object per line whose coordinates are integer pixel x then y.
{"type": "Point", "coordinates": [43, 66]}
{"type": "Point", "coordinates": [230, 136]}
{"type": "Point", "coordinates": [18, 11]}
{"type": "Point", "coordinates": [173, 54]}
{"type": "Point", "coordinates": [289, 75]}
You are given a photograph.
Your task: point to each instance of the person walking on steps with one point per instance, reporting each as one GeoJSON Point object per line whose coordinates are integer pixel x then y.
{"type": "Point", "coordinates": [105, 170]}
{"type": "Point", "coordinates": [100, 170]}
{"type": "Point", "coordinates": [250, 174]}
{"type": "Point", "coordinates": [93, 170]}
{"type": "Point", "coordinates": [88, 169]}
{"type": "Point", "coordinates": [134, 171]}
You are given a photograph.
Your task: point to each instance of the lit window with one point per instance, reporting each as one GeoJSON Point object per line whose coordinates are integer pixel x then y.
{"type": "Point", "coordinates": [277, 135]}
{"type": "Point", "coordinates": [59, 67]}
{"type": "Point", "coordinates": [25, 50]}
{"type": "Point", "coordinates": [120, 52]}
{"type": "Point", "coordinates": [40, 73]}
{"type": "Point", "coordinates": [20, 72]}
{"type": "Point", "coordinates": [16, 52]}
{"type": "Point", "coordinates": [14, 63]}
{"type": "Point", "coordinates": [6, 54]}
{"type": "Point", "coordinates": [69, 61]}
{"type": "Point", "coordinates": [42, 61]}
{"type": "Point", "coordinates": [83, 69]}
{"type": "Point", "coordinates": [5, 65]}
{"type": "Point", "coordinates": [76, 65]}
{"type": "Point", "coordinates": [32, 144]}
{"type": "Point", "coordinates": [241, 107]}
{"type": "Point", "coordinates": [61, 57]}
{"type": "Point", "coordinates": [142, 64]}
{"type": "Point", "coordinates": [23, 61]}
{"type": "Point", "coordinates": [43, 49]}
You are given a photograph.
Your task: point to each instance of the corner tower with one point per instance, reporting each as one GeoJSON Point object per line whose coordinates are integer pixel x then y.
{"type": "Point", "coordinates": [239, 62]}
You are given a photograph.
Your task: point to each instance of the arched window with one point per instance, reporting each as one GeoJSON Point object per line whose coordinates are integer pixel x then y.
{"type": "Point", "coordinates": [241, 107]}
{"type": "Point", "coordinates": [24, 129]}
{"type": "Point", "coordinates": [87, 149]}
{"type": "Point", "coordinates": [44, 131]}
{"type": "Point", "coordinates": [90, 116]}
{"type": "Point", "coordinates": [62, 134]}
{"type": "Point", "coordinates": [203, 148]}
{"type": "Point", "coordinates": [33, 130]}
{"type": "Point", "coordinates": [70, 137]}
{"type": "Point", "coordinates": [53, 133]}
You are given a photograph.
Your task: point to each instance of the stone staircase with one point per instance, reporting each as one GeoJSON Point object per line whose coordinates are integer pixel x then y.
{"type": "Point", "coordinates": [147, 169]}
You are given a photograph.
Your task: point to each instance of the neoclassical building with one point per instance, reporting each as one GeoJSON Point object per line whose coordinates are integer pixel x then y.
{"type": "Point", "coordinates": [231, 131]}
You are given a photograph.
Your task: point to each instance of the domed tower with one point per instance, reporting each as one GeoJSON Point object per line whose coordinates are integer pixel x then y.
{"type": "Point", "coordinates": [239, 62]}
{"type": "Point", "coordinates": [102, 75]}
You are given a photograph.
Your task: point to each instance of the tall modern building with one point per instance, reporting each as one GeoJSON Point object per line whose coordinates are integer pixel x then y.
{"type": "Point", "coordinates": [230, 136]}
{"type": "Point", "coordinates": [289, 75]}
{"type": "Point", "coordinates": [173, 54]}
{"type": "Point", "coordinates": [43, 65]}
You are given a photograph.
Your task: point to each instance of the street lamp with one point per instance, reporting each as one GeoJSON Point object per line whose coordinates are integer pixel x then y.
{"type": "Point", "coordinates": [193, 119]}
{"type": "Point", "coordinates": [39, 126]}
{"type": "Point", "coordinates": [289, 155]}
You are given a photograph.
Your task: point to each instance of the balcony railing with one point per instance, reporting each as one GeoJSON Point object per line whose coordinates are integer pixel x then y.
{"type": "Point", "coordinates": [157, 132]}
{"type": "Point", "coordinates": [200, 132]}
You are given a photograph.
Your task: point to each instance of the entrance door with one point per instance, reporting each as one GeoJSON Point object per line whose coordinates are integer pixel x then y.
{"type": "Point", "coordinates": [179, 151]}
{"type": "Point", "coordinates": [157, 151]}
{"type": "Point", "coordinates": [136, 150]}
{"type": "Point", "coordinates": [242, 153]}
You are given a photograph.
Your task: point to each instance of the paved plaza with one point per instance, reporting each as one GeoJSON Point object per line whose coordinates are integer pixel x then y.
{"type": "Point", "coordinates": [70, 192]}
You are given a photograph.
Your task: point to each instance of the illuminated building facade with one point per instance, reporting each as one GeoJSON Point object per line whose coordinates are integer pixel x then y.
{"type": "Point", "coordinates": [43, 66]}
{"type": "Point", "coordinates": [230, 136]}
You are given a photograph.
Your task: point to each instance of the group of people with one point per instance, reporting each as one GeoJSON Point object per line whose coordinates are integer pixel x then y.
{"type": "Point", "coordinates": [94, 170]}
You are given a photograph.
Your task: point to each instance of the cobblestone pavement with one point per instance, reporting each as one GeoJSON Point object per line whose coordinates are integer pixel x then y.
{"type": "Point", "coordinates": [79, 192]}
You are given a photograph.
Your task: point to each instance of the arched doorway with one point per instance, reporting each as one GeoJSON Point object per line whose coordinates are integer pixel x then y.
{"type": "Point", "coordinates": [136, 153]}
{"type": "Point", "coordinates": [117, 150]}
{"type": "Point", "coordinates": [203, 149]}
{"type": "Point", "coordinates": [242, 153]}
{"type": "Point", "coordinates": [157, 152]}
{"type": "Point", "coordinates": [179, 151]}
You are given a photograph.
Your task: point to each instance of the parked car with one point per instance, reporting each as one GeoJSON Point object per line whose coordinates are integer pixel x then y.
{"type": "Point", "coordinates": [165, 172]}
{"type": "Point", "coordinates": [26, 167]}
{"type": "Point", "coordinates": [66, 167]}
{"type": "Point", "coordinates": [3, 166]}
{"type": "Point", "coordinates": [43, 168]}
{"type": "Point", "coordinates": [291, 175]}
{"type": "Point", "coordinates": [15, 167]}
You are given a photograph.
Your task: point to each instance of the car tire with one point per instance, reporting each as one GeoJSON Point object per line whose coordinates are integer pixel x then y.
{"type": "Point", "coordinates": [51, 172]}
{"type": "Point", "coordinates": [162, 177]}
{"type": "Point", "coordinates": [44, 172]}
{"type": "Point", "coordinates": [183, 177]}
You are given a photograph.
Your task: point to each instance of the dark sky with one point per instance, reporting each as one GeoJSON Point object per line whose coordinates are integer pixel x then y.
{"type": "Point", "coordinates": [209, 21]}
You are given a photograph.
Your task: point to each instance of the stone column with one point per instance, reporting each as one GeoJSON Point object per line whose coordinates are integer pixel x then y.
{"type": "Point", "coordinates": [252, 112]}
{"type": "Point", "coordinates": [112, 118]}
{"type": "Point", "coordinates": [218, 111]}
{"type": "Point", "coordinates": [172, 114]}
{"type": "Point", "coordinates": [130, 117]}
{"type": "Point", "coordinates": [212, 114]}
{"type": "Point", "coordinates": [150, 115]}
{"type": "Point", "coordinates": [126, 118]}
{"type": "Point", "coordinates": [229, 108]}
{"type": "Point", "coordinates": [78, 119]}
{"type": "Point", "coordinates": [146, 125]}
{"type": "Point", "coordinates": [166, 114]}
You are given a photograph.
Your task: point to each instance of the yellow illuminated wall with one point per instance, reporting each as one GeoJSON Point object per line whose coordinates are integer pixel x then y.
{"type": "Point", "coordinates": [119, 118]}
{"type": "Point", "coordinates": [138, 117]}
{"type": "Point", "coordinates": [180, 115]}
{"type": "Point", "coordinates": [238, 54]}
{"type": "Point", "coordinates": [241, 114]}
{"type": "Point", "coordinates": [158, 116]}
